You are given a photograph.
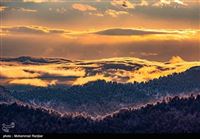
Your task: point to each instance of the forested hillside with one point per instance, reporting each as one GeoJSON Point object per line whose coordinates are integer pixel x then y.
{"type": "Point", "coordinates": [102, 97]}
{"type": "Point", "coordinates": [176, 115]}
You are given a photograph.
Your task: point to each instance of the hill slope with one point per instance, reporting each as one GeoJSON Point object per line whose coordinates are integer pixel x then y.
{"type": "Point", "coordinates": [178, 115]}
{"type": "Point", "coordinates": [5, 95]}
{"type": "Point", "coordinates": [100, 97]}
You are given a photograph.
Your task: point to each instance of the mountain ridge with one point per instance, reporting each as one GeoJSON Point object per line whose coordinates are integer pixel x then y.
{"type": "Point", "coordinates": [148, 119]}
{"type": "Point", "coordinates": [100, 97]}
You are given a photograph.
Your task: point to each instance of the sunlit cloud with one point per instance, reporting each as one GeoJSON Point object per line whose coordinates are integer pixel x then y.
{"type": "Point", "coordinates": [144, 14]}
{"type": "Point", "coordinates": [2, 8]}
{"type": "Point", "coordinates": [84, 80]}
{"type": "Point", "coordinates": [121, 70]}
{"type": "Point", "coordinates": [94, 44]}
{"type": "Point", "coordinates": [15, 71]}
{"type": "Point", "coordinates": [176, 59]}
{"type": "Point", "coordinates": [115, 13]}
{"type": "Point", "coordinates": [97, 14]}
{"type": "Point", "coordinates": [169, 3]}
{"type": "Point", "coordinates": [33, 82]}
{"type": "Point", "coordinates": [26, 10]}
{"type": "Point", "coordinates": [144, 3]}
{"type": "Point", "coordinates": [83, 7]}
{"type": "Point", "coordinates": [55, 29]}
{"type": "Point", "coordinates": [175, 65]}
{"type": "Point", "coordinates": [17, 9]}
{"type": "Point", "coordinates": [154, 30]}
{"type": "Point", "coordinates": [32, 30]}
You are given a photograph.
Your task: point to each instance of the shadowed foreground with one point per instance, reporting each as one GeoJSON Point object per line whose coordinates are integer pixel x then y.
{"type": "Point", "coordinates": [174, 115]}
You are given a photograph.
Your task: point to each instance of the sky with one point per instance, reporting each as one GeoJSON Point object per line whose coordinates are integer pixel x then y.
{"type": "Point", "coordinates": [95, 29]}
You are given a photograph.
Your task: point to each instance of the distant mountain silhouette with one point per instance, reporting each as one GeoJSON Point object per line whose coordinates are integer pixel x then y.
{"type": "Point", "coordinates": [173, 115]}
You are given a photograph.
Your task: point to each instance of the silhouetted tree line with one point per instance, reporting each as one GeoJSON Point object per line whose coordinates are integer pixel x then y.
{"type": "Point", "coordinates": [101, 97]}
{"type": "Point", "coordinates": [174, 115]}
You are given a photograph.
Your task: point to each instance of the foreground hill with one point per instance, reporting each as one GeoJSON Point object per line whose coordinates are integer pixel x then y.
{"type": "Point", "coordinates": [177, 115]}
{"type": "Point", "coordinates": [100, 97]}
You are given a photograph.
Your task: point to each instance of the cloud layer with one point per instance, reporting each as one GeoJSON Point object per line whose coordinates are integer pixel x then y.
{"type": "Point", "coordinates": [129, 32]}
{"type": "Point", "coordinates": [83, 7]}
{"type": "Point", "coordinates": [155, 30]}
{"type": "Point", "coordinates": [27, 71]}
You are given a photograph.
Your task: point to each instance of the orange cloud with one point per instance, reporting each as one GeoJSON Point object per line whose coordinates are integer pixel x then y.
{"type": "Point", "coordinates": [84, 80]}
{"type": "Point", "coordinates": [24, 10]}
{"type": "Point", "coordinates": [95, 39]}
{"type": "Point", "coordinates": [15, 71]}
{"type": "Point", "coordinates": [96, 14]}
{"type": "Point", "coordinates": [32, 30]}
{"type": "Point", "coordinates": [2, 8]}
{"type": "Point", "coordinates": [115, 13]}
{"type": "Point", "coordinates": [33, 82]}
{"type": "Point", "coordinates": [122, 70]}
{"type": "Point", "coordinates": [83, 7]}
{"type": "Point", "coordinates": [176, 59]}
{"type": "Point", "coordinates": [144, 3]}
{"type": "Point", "coordinates": [169, 2]}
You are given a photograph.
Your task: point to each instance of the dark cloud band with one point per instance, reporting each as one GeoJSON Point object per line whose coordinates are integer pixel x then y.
{"type": "Point", "coordinates": [129, 32]}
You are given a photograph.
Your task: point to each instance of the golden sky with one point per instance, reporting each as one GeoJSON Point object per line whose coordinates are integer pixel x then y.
{"type": "Point", "coordinates": [93, 29]}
